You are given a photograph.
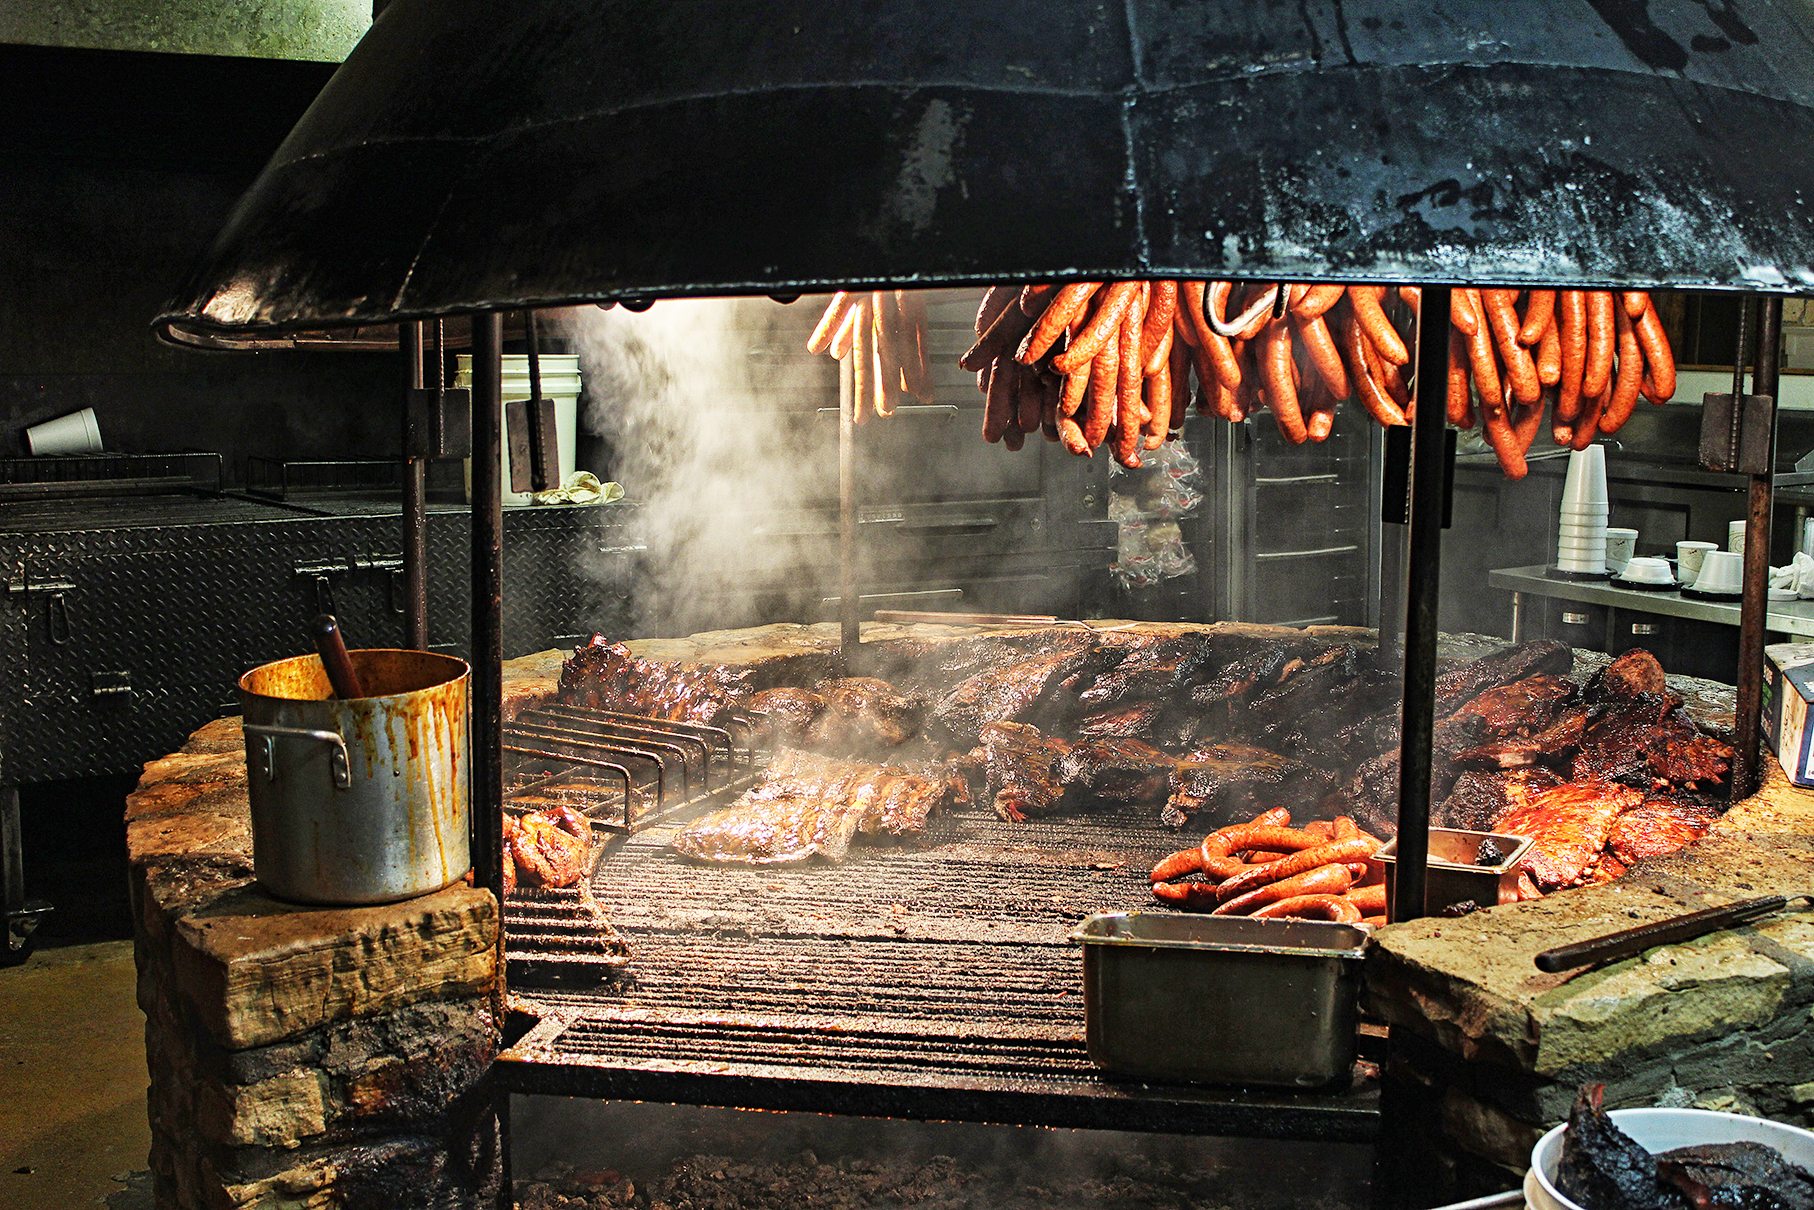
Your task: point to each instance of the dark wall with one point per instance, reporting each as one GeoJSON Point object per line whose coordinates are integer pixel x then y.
{"type": "Point", "coordinates": [116, 170]}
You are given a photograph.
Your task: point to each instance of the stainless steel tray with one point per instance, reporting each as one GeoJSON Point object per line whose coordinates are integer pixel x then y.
{"type": "Point", "coordinates": [1221, 999]}
{"type": "Point", "coordinates": [1454, 877]}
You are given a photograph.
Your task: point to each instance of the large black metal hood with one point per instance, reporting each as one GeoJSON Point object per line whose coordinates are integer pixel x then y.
{"type": "Point", "coordinates": [473, 155]}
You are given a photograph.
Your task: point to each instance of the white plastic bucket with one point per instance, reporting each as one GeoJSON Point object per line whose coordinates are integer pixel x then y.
{"type": "Point", "coordinates": [560, 382]}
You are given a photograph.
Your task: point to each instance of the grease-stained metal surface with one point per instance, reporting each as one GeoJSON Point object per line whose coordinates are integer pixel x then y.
{"type": "Point", "coordinates": [469, 156]}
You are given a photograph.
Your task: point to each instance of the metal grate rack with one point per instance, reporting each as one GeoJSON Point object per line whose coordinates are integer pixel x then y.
{"type": "Point", "coordinates": [87, 475]}
{"type": "Point", "coordinates": [931, 980]}
{"type": "Point", "coordinates": [623, 772]}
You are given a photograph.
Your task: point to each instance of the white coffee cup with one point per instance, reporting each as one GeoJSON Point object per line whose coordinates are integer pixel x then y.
{"type": "Point", "coordinates": [1735, 537]}
{"type": "Point", "coordinates": [1620, 544]}
{"type": "Point", "coordinates": [76, 433]}
{"type": "Point", "coordinates": [1688, 556]}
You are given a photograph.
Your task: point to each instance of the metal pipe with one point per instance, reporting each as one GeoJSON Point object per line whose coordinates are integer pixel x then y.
{"type": "Point", "coordinates": [1423, 556]}
{"type": "Point", "coordinates": [1755, 603]}
{"type": "Point", "coordinates": [850, 633]}
{"type": "Point", "coordinates": [488, 613]}
{"type": "Point", "coordinates": [415, 499]}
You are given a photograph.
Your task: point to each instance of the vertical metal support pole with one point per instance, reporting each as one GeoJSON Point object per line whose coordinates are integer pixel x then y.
{"type": "Point", "coordinates": [1752, 608]}
{"type": "Point", "coordinates": [1422, 588]}
{"type": "Point", "coordinates": [849, 601]}
{"type": "Point", "coordinates": [415, 500]}
{"type": "Point", "coordinates": [12, 861]}
{"type": "Point", "coordinates": [488, 665]}
{"type": "Point", "coordinates": [487, 605]}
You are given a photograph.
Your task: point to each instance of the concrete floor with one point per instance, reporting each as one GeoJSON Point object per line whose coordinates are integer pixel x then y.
{"type": "Point", "coordinates": [72, 1082]}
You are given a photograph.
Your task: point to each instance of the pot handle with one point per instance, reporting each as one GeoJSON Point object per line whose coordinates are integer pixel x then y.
{"type": "Point", "coordinates": [264, 752]}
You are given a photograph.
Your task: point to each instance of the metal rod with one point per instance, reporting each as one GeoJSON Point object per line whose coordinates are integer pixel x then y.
{"type": "Point", "coordinates": [1755, 602]}
{"type": "Point", "coordinates": [850, 633]}
{"type": "Point", "coordinates": [415, 500]}
{"type": "Point", "coordinates": [488, 616]}
{"type": "Point", "coordinates": [1423, 584]}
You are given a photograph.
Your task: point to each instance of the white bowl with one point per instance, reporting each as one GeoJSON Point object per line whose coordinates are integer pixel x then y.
{"type": "Point", "coordinates": [1659, 1130]}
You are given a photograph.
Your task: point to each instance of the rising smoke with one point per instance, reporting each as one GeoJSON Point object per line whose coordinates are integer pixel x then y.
{"type": "Point", "coordinates": [710, 406]}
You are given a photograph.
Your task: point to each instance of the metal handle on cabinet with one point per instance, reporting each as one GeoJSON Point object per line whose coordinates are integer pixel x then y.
{"type": "Point", "coordinates": [264, 751]}
{"type": "Point", "coordinates": [1645, 628]}
{"type": "Point", "coordinates": [58, 606]}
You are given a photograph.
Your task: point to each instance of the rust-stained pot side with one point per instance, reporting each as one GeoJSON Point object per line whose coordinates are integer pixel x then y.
{"type": "Point", "coordinates": [361, 801]}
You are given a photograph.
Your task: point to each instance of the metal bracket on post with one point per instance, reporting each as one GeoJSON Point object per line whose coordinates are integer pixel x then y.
{"type": "Point", "coordinates": [1738, 431]}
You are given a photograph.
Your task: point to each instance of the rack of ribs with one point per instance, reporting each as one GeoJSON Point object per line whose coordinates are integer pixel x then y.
{"type": "Point", "coordinates": [1650, 741]}
{"type": "Point", "coordinates": [1657, 826]}
{"type": "Point", "coordinates": [814, 806]}
{"type": "Point", "coordinates": [605, 676]}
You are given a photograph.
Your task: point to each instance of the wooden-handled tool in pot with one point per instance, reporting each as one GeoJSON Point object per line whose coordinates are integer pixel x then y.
{"type": "Point", "coordinates": [1630, 942]}
{"type": "Point", "coordinates": [341, 673]}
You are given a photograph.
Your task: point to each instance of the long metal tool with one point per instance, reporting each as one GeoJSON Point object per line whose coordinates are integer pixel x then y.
{"type": "Point", "coordinates": [415, 497]}
{"type": "Point", "coordinates": [1423, 587]}
{"type": "Point", "coordinates": [1629, 943]}
{"type": "Point", "coordinates": [1755, 602]}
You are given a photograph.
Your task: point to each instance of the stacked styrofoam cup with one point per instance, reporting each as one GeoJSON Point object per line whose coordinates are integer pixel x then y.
{"type": "Point", "coordinates": [1581, 534]}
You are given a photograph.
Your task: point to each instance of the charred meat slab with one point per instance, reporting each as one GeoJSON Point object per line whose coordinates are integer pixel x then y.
{"type": "Point", "coordinates": [1568, 826]}
{"type": "Point", "coordinates": [1633, 673]}
{"type": "Point", "coordinates": [1658, 826]}
{"type": "Point", "coordinates": [1019, 764]}
{"type": "Point", "coordinates": [876, 712]}
{"type": "Point", "coordinates": [1650, 741]}
{"type": "Point", "coordinates": [1480, 796]}
{"type": "Point", "coordinates": [1602, 1167]}
{"type": "Point", "coordinates": [786, 716]}
{"type": "Point", "coordinates": [1541, 657]}
{"type": "Point", "coordinates": [1736, 1176]}
{"type": "Point", "coordinates": [1222, 781]}
{"type": "Point", "coordinates": [1012, 693]}
{"type": "Point", "coordinates": [1117, 770]}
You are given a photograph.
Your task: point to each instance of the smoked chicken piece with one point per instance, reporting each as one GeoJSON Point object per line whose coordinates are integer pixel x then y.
{"type": "Point", "coordinates": [1569, 826]}
{"type": "Point", "coordinates": [813, 806]}
{"type": "Point", "coordinates": [1650, 740]}
{"type": "Point", "coordinates": [1658, 826]}
{"type": "Point", "coordinates": [1225, 782]}
{"type": "Point", "coordinates": [1635, 672]}
{"type": "Point", "coordinates": [606, 676]}
{"type": "Point", "coordinates": [876, 712]}
{"type": "Point", "coordinates": [786, 715]}
{"type": "Point", "coordinates": [1019, 764]}
{"type": "Point", "coordinates": [1480, 796]}
{"type": "Point", "coordinates": [548, 848]}
{"type": "Point", "coordinates": [1117, 770]}
{"type": "Point", "coordinates": [1012, 693]}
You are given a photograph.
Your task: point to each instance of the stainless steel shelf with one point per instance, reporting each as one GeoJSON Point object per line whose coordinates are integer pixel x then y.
{"type": "Point", "coordinates": [1788, 617]}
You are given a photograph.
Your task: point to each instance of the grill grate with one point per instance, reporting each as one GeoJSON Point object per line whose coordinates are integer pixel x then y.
{"type": "Point", "coordinates": [930, 980]}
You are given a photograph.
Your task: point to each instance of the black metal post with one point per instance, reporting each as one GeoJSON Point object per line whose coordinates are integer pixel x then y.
{"type": "Point", "coordinates": [1754, 605]}
{"type": "Point", "coordinates": [1423, 558]}
{"type": "Point", "coordinates": [849, 600]}
{"type": "Point", "coordinates": [415, 499]}
{"type": "Point", "coordinates": [487, 605]}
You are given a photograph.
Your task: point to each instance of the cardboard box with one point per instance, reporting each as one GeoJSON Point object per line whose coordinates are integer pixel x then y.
{"type": "Point", "coordinates": [1788, 689]}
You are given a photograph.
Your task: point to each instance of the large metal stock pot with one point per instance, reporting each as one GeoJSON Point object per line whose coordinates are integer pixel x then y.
{"type": "Point", "coordinates": [361, 801]}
